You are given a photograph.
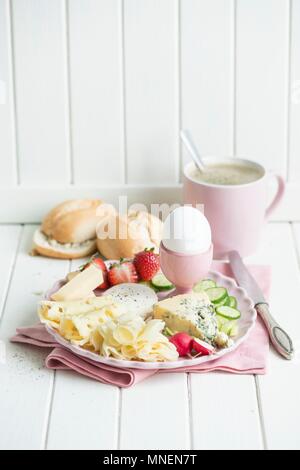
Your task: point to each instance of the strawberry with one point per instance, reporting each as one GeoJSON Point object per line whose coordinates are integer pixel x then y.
{"type": "Point", "coordinates": [122, 272]}
{"type": "Point", "coordinates": [100, 263]}
{"type": "Point", "coordinates": [147, 264]}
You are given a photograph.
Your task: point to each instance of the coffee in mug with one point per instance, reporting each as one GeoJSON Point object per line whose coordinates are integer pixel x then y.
{"type": "Point", "coordinates": [233, 193]}
{"type": "Point", "coordinates": [227, 174]}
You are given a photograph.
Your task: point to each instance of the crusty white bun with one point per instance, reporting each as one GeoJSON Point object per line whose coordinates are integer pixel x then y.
{"type": "Point", "coordinates": [69, 230]}
{"type": "Point", "coordinates": [133, 233]}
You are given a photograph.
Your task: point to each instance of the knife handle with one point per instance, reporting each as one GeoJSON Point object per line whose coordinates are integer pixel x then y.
{"type": "Point", "coordinates": [280, 339]}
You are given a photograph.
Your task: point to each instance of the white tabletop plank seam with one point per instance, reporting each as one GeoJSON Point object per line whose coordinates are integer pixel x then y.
{"type": "Point", "coordinates": [68, 105]}
{"type": "Point", "coordinates": [10, 274]}
{"type": "Point", "coordinates": [45, 436]}
{"type": "Point", "coordinates": [190, 399]}
{"type": "Point", "coordinates": [119, 405]}
{"type": "Point", "coordinates": [44, 441]}
{"type": "Point", "coordinates": [260, 413]}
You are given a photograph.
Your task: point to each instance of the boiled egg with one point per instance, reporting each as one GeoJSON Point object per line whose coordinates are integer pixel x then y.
{"type": "Point", "coordinates": [186, 230]}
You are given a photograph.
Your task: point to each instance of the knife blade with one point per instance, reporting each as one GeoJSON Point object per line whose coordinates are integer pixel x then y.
{"type": "Point", "coordinates": [280, 339]}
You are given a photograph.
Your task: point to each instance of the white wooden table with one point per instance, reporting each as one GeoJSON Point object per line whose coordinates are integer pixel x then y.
{"type": "Point", "coordinates": [45, 409]}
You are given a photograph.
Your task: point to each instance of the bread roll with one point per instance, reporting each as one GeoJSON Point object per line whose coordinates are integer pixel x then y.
{"type": "Point", "coordinates": [133, 233]}
{"type": "Point", "coordinates": [69, 230]}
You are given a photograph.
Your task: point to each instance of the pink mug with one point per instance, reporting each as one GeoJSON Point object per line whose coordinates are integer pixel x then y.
{"type": "Point", "coordinates": [236, 213]}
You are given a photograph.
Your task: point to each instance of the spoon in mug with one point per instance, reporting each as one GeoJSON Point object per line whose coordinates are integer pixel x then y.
{"type": "Point", "coordinates": [192, 149]}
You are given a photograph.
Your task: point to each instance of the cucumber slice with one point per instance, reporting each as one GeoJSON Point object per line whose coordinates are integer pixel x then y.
{"type": "Point", "coordinates": [148, 284]}
{"type": "Point", "coordinates": [217, 294]}
{"type": "Point", "coordinates": [223, 302]}
{"type": "Point", "coordinates": [231, 302]}
{"type": "Point", "coordinates": [229, 327]}
{"type": "Point", "coordinates": [204, 284]}
{"type": "Point", "coordinates": [160, 282]}
{"type": "Point", "coordinates": [228, 312]}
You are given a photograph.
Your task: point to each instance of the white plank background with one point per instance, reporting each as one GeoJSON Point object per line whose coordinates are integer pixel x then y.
{"type": "Point", "coordinates": [8, 165]}
{"type": "Point", "coordinates": [294, 142]}
{"type": "Point", "coordinates": [207, 74]}
{"type": "Point", "coordinates": [97, 90]}
{"type": "Point", "coordinates": [96, 79]}
{"type": "Point", "coordinates": [151, 94]}
{"type": "Point", "coordinates": [43, 409]}
{"type": "Point", "coordinates": [42, 139]}
{"type": "Point", "coordinates": [262, 51]}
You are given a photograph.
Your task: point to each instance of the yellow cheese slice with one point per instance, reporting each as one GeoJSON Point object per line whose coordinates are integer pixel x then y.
{"type": "Point", "coordinates": [81, 286]}
{"type": "Point", "coordinates": [51, 312]}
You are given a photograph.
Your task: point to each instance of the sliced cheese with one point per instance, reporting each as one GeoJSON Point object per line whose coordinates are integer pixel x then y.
{"type": "Point", "coordinates": [190, 313]}
{"type": "Point", "coordinates": [75, 313]}
{"type": "Point", "coordinates": [81, 286]}
{"type": "Point", "coordinates": [72, 274]}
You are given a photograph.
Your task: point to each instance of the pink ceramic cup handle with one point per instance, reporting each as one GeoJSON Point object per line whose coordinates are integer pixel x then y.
{"type": "Point", "coordinates": [278, 196]}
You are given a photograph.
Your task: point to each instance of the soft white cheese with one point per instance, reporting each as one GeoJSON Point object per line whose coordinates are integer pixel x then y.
{"type": "Point", "coordinates": [136, 298]}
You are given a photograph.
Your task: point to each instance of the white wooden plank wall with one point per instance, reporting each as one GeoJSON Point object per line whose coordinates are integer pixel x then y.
{"type": "Point", "coordinates": [294, 128]}
{"type": "Point", "coordinates": [8, 170]}
{"type": "Point", "coordinates": [42, 138]}
{"type": "Point", "coordinates": [262, 70]}
{"type": "Point", "coordinates": [207, 74]}
{"type": "Point", "coordinates": [151, 91]}
{"type": "Point", "coordinates": [96, 80]}
{"type": "Point", "coordinates": [96, 90]}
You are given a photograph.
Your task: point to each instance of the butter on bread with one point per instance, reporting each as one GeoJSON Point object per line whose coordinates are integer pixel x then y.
{"type": "Point", "coordinates": [69, 230]}
{"type": "Point", "coordinates": [191, 313]}
{"type": "Point", "coordinates": [134, 232]}
{"type": "Point", "coordinates": [80, 286]}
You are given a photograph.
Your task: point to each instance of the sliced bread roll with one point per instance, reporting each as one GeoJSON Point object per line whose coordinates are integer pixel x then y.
{"type": "Point", "coordinates": [49, 247]}
{"type": "Point", "coordinates": [69, 230]}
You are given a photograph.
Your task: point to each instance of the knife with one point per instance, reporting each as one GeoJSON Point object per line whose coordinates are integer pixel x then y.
{"type": "Point", "coordinates": [280, 339]}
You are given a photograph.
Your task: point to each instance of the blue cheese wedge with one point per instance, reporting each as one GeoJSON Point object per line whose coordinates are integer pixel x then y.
{"type": "Point", "coordinates": [191, 313]}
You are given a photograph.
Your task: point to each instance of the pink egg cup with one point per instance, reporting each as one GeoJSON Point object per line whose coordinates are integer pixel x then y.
{"type": "Point", "coordinates": [184, 270]}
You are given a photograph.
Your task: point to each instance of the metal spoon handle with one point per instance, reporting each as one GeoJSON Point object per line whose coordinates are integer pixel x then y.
{"type": "Point", "coordinates": [280, 339]}
{"type": "Point", "coordinates": [192, 149]}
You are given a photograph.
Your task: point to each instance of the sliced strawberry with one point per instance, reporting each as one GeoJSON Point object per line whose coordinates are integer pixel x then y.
{"type": "Point", "coordinates": [100, 263]}
{"type": "Point", "coordinates": [201, 347]}
{"type": "Point", "coordinates": [147, 264]}
{"type": "Point", "coordinates": [122, 272]}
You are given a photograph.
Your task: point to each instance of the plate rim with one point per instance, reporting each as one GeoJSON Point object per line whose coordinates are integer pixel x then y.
{"type": "Point", "coordinates": [180, 363]}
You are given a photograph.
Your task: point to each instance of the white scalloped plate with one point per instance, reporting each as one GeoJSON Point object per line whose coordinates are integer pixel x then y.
{"type": "Point", "coordinates": [246, 323]}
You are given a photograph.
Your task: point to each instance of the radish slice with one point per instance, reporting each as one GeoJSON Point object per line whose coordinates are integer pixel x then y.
{"type": "Point", "coordinates": [183, 343]}
{"type": "Point", "coordinates": [202, 348]}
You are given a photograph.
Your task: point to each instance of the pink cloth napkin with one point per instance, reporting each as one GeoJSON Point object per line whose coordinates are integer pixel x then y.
{"type": "Point", "coordinates": [249, 358]}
